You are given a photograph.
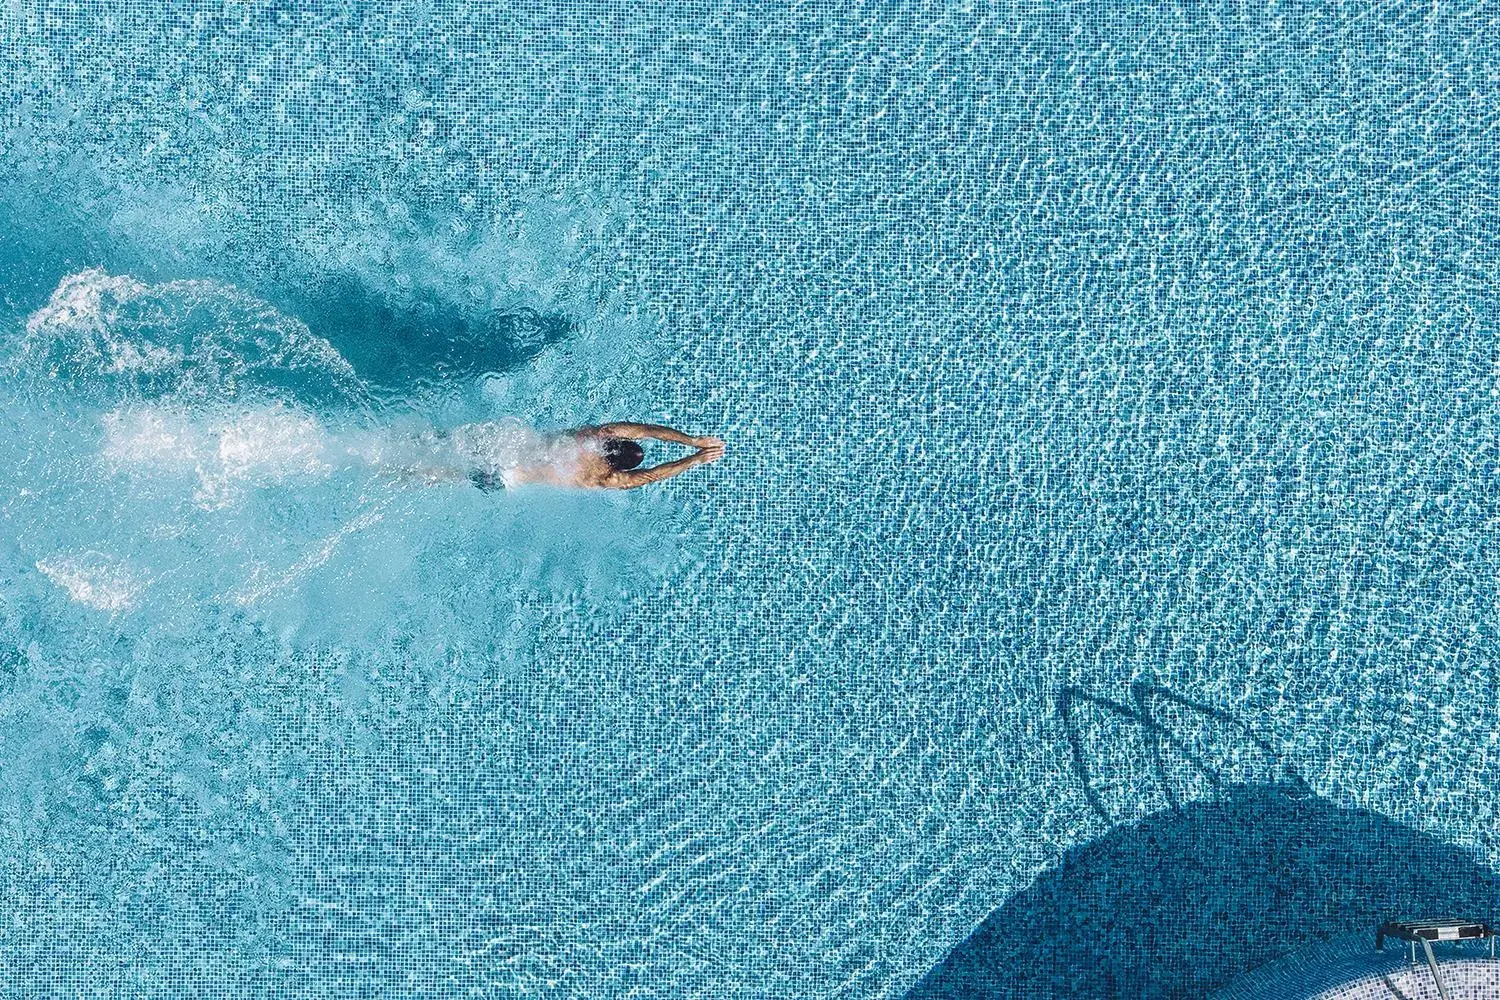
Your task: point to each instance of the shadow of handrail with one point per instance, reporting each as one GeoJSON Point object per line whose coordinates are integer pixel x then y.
{"type": "Point", "coordinates": [1143, 694]}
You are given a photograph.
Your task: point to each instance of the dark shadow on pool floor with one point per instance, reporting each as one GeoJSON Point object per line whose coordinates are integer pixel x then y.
{"type": "Point", "coordinates": [401, 346]}
{"type": "Point", "coordinates": [399, 342]}
{"type": "Point", "coordinates": [1188, 900]}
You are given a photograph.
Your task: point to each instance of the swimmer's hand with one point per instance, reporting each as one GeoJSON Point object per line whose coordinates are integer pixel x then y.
{"type": "Point", "coordinates": [710, 449]}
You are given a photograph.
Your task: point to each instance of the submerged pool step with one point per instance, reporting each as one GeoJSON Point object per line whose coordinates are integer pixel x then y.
{"type": "Point", "coordinates": [1424, 932]}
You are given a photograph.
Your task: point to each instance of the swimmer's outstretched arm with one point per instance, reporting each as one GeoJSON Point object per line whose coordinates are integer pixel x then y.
{"type": "Point", "coordinates": [656, 431]}
{"type": "Point", "coordinates": [633, 478]}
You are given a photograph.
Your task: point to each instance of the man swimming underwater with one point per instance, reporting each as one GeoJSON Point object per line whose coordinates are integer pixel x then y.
{"type": "Point", "coordinates": [503, 454]}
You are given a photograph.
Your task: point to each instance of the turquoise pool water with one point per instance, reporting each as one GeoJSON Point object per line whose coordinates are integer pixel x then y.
{"type": "Point", "coordinates": [1111, 398]}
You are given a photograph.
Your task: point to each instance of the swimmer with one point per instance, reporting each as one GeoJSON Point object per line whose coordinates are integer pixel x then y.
{"type": "Point", "coordinates": [507, 454]}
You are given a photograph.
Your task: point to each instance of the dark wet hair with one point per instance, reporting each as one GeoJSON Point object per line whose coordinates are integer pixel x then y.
{"type": "Point", "coordinates": [622, 453]}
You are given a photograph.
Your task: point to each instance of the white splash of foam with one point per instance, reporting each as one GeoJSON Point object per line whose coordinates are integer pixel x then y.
{"type": "Point", "coordinates": [86, 301]}
{"type": "Point", "coordinates": [501, 446]}
{"type": "Point", "coordinates": [200, 336]}
{"type": "Point", "coordinates": [274, 444]}
{"type": "Point", "coordinates": [94, 579]}
{"type": "Point", "coordinates": [155, 437]}
{"type": "Point", "coordinates": [227, 450]}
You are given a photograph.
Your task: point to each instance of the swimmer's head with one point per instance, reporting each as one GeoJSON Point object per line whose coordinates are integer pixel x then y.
{"type": "Point", "coordinates": [621, 453]}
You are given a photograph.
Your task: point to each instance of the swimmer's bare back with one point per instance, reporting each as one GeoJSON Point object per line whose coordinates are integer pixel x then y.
{"type": "Point", "coordinates": [608, 456]}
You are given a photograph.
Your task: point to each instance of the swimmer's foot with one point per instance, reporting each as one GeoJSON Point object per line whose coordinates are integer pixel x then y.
{"type": "Point", "coordinates": [486, 481]}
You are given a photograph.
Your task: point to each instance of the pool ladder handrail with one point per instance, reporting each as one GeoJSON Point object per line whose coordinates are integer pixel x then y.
{"type": "Point", "coordinates": [1425, 932]}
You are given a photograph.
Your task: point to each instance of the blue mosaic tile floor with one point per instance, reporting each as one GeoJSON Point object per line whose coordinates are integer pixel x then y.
{"type": "Point", "coordinates": [1111, 402]}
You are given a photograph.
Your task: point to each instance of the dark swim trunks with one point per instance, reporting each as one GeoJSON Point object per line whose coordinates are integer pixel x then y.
{"type": "Point", "coordinates": [486, 481]}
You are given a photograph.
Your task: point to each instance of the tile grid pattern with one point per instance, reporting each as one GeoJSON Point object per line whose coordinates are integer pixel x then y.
{"type": "Point", "coordinates": [1061, 346]}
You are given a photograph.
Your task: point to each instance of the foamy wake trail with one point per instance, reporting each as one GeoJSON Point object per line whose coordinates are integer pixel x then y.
{"type": "Point", "coordinates": [199, 339]}
{"type": "Point", "coordinates": [229, 450]}
{"type": "Point", "coordinates": [94, 579]}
